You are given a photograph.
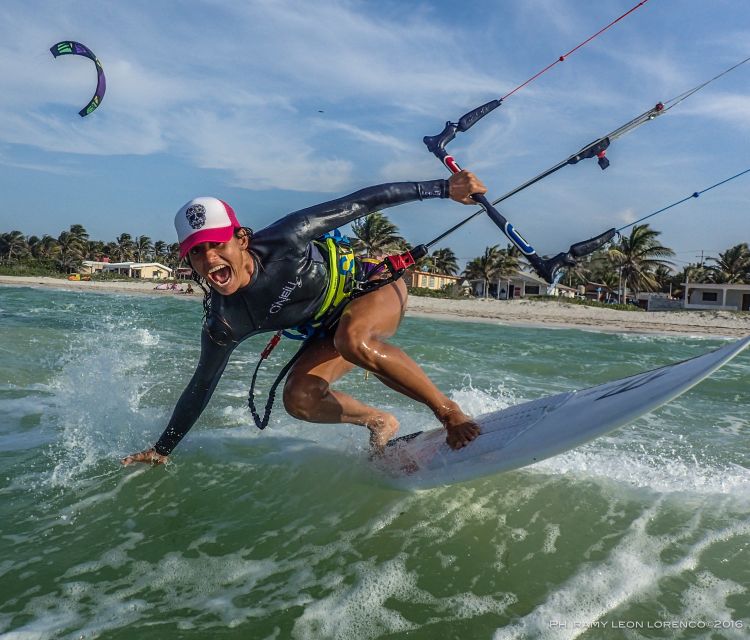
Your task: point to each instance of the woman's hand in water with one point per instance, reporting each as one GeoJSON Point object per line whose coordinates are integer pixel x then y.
{"type": "Point", "coordinates": [148, 456]}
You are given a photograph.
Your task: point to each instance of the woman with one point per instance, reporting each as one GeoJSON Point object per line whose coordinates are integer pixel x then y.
{"type": "Point", "coordinates": [279, 278]}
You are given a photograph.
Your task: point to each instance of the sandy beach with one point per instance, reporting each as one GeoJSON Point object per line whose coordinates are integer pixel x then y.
{"type": "Point", "coordinates": [515, 312]}
{"type": "Point", "coordinates": [561, 314]}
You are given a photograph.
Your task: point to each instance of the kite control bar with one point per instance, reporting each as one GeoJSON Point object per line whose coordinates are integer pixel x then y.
{"type": "Point", "coordinates": [547, 268]}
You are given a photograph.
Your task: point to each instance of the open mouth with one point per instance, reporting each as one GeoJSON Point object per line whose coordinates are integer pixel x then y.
{"type": "Point", "coordinates": [220, 274]}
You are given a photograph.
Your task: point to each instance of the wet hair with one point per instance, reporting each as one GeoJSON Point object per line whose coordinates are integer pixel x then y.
{"type": "Point", "coordinates": [203, 284]}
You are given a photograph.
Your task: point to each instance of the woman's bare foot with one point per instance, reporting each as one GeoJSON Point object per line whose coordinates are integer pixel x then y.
{"type": "Point", "coordinates": [461, 428]}
{"type": "Point", "coordinates": [382, 428]}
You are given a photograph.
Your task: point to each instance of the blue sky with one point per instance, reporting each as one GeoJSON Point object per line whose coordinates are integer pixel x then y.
{"type": "Point", "coordinates": [276, 105]}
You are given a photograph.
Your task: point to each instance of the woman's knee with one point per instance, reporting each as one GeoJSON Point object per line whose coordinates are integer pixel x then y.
{"type": "Point", "coordinates": [354, 346]}
{"type": "Point", "coordinates": [302, 394]}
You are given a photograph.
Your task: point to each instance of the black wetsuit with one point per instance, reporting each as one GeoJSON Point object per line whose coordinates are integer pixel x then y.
{"type": "Point", "coordinates": [288, 284]}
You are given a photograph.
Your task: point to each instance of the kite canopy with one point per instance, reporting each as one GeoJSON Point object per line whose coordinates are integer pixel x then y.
{"type": "Point", "coordinates": [68, 47]}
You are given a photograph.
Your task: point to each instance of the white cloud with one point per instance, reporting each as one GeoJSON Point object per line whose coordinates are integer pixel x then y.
{"type": "Point", "coordinates": [170, 87]}
{"type": "Point", "coordinates": [58, 169]}
{"type": "Point", "coordinates": [137, 135]}
{"type": "Point", "coordinates": [258, 154]}
{"type": "Point", "coordinates": [364, 135]}
{"type": "Point", "coordinates": [733, 109]}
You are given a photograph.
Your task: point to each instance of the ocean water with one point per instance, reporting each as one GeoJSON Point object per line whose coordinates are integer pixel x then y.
{"type": "Point", "coordinates": [290, 533]}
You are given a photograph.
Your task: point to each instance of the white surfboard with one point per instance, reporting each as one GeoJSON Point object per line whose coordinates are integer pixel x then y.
{"type": "Point", "coordinates": [532, 431]}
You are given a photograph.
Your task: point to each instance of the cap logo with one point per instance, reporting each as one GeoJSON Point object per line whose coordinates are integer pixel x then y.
{"type": "Point", "coordinates": [196, 215]}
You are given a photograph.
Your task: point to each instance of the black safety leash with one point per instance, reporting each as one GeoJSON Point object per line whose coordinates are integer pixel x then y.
{"type": "Point", "coordinates": [262, 423]}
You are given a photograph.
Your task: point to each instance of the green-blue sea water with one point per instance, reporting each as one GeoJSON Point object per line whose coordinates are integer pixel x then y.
{"type": "Point", "coordinates": [289, 533]}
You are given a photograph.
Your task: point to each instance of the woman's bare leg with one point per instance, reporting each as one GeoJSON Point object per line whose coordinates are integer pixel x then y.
{"type": "Point", "coordinates": [360, 340]}
{"type": "Point", "coordinates": [308, 394]}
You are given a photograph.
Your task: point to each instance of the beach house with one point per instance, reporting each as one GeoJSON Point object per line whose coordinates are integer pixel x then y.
{"type": "Point", "coordinates": [434, 281]}
{"type": "Point", "coordinates": [145, 270]}
{"type": "Point", "coordinates": [520, 285]}
{"type": "Point", "coordinates": [704, 295]}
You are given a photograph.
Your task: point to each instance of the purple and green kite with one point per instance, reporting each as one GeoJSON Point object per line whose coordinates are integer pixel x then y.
{"type": "Point", "coordinates": [68, 47]}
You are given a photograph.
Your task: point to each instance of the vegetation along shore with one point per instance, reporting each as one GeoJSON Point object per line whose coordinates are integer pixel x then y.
{"type": "Point", "coordinates": [634, 263]}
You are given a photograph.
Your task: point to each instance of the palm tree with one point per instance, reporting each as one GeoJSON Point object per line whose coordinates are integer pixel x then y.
{"type": "Point", "coordinates": [32, 242]}
{"type": "Point", "coordinates": [45, 249]}
{"type": "Point", "coordinates": [71, 251]}
{"type": "Point", "coordinates": [663, 276]}
{"type": "Point", "coordinates": [110, 249]}
{"type": "Point", "coordinates": [444, 261]}
{"type": "Point", "coordinates": [124, 248]}
{"type": "Point", "coordinates": [637, 256]}
{"type": "Point", "coordinates": [732, 266]}
{"type": "Point", "coordinates": [610, 279]}
{"type": "Point", "coordinates": [377, 236]}
{"type": "Point", "coordinates": [160, 250]}
{"type": "Point", "coordinates": [693, 273]}
{"type": "Point", "coordinates": [143, 248]}
{"type": "Point", "coordinates": [80, 235]}
{"type": "Point", "coordinates": [95, 249]}
{"type": "Point", "coordinates": [576, 275]}
{"type": "Point", "coordinates": [485, 267]}
{"type": "Point", "coordinates": [173, 255]}
{"type": "Point", "coordinates": [425, 263]}
{"type": "Point", "coordinates": [13, 245]}
{"type": "Point", "coordinates": [595, 267]}
{"type": "Point", "coordinates": [510, 260]}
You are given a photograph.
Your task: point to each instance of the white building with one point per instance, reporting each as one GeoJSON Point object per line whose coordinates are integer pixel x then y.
{"type": "Point", "coordinates": [702, 295]}
{"type": "Point", "coordinates": [521, 285]}
{"type": "Point", "coordinates": [146, 270]}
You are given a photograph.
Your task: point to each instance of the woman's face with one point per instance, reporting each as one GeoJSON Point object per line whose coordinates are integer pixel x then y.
{"type": "Point", "coordinates": [226, 266]}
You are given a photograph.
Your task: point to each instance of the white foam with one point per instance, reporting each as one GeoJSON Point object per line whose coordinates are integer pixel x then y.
{"type": "Point", "coordinates": [361, 610]}
{"type": "Point", "coordinates": [352, 597]}
{"type": "Point", "coordinates": [631, 573]}
{"type": "Point", "coordinates": [707, 600]}
{"type": "Point", "coordinates": [96, 399]}
{"type": "Point", "coordinates": [551, 534]}
{"type": "Point", "coordinates": [475, 401]}
{"type": "Point", "coordinates": [665, 474]}
{"type": "Point", "coordinates": [146, 338]}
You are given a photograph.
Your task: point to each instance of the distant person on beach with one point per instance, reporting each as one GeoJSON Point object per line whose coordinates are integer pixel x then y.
{"type": "Point", "coordinates": [281, 277]}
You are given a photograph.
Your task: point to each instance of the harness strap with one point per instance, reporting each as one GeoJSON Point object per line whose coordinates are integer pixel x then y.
{"type": "Point", "coordinates": [262, 423]}
{"type": "Point", "coordinates": [395, 265]}
{"type": "Point", "coordinates": [340, 272]}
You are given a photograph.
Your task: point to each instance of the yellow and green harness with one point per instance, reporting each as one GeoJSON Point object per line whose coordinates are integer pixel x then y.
{"type": "Point", "coordinates": [345, 273]}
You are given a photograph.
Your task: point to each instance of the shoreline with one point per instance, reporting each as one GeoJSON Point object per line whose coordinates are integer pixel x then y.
{"type": "Point", "coordinates": [562, 315]}
{"type": "Point", "coordinates": [515, 313]}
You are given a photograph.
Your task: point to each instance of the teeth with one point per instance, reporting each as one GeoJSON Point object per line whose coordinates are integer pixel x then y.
{"type": "Point", "coordinates": [216, 268]}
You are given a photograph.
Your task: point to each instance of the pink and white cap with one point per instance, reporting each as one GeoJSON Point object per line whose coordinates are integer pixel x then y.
{"type": "Point", "coordinates": [204, 219]}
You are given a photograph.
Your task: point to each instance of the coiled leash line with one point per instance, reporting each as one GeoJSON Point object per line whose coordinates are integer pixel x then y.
{"type": "Point", "coordinates": [262, 423]}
